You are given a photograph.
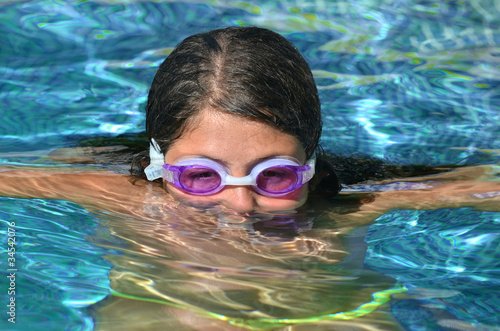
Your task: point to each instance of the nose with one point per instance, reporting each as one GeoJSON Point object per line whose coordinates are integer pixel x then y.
{"type": "Point", "coordinates": [239, 199]}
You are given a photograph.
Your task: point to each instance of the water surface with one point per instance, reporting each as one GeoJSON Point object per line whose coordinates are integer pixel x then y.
{"type": "Point", "coordinates": [411, 82]}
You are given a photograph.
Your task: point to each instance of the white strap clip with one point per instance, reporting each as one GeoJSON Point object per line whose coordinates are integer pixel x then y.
{"type": "Point", "coordinates": [155, 168]}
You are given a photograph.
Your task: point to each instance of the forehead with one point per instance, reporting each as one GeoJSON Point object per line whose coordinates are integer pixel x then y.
{"type": "Point", "coordinates": [233, 139]}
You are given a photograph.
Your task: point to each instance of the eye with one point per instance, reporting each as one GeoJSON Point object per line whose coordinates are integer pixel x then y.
{"type": "Point", "coordinates": [200, 179]}
{"type": "Point", "coordinates": [276, 179]}
{"type": "Point", "coordinates": [277, 172]}
{"type": "Point", "coordinates": [271, 173]}
{"type": "Point", "coordinates": [202, 174]}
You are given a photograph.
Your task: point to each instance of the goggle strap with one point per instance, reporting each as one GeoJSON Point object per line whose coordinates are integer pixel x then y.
{"type": "Point", "coordinates": [308, 174]}
{"type": "Point", "coordinates": [155, 168]}
{"type": "Point", "coordinates": [153, 172]}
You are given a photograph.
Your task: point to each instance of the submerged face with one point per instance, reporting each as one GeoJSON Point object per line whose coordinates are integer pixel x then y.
{"type": "Point", "coordinates": [238, 144]}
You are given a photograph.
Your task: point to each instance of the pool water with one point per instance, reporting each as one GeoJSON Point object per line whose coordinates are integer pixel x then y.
{"type": "Point", "coordinates": [412, 82]}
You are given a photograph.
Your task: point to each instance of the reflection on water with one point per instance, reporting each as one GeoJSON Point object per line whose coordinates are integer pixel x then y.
{"type": "Point", "coordinates": [203, 268]}
{"type": "Point", "coordinates": [448, 259]}
{"type": "Point", "coordinates": [412, 82]}
{"type": "Point", "coordinates": [170, 264]}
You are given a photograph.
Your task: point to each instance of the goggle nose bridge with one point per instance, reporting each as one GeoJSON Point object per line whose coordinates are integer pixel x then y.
{"type": "Point", "coordinates": [231, 180]}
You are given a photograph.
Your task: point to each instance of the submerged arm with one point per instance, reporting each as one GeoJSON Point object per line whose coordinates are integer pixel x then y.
{"type": "Point", "coordinates": [476, 187]}
{"type": "Point", "coordinates": [99, 189]}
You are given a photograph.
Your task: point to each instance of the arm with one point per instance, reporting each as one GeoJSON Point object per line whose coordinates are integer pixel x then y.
{"type": "Point", "coordinates": [97, 189]}
{"type": "Point", "coordinates": [482, 195]}
{"type": "Point", "coordinates": [476, 187]}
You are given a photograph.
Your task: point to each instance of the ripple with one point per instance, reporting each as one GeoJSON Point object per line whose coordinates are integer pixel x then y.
{"type": "Point", "coordinates": [447, 249]}
{"type": "Point", "coordinates": [59, 271]}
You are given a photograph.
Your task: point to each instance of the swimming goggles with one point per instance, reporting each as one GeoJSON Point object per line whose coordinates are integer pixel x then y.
{"type": "Point", "coordinates": [273, 177]}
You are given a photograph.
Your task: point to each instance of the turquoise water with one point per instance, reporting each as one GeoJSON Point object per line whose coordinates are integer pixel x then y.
{"type": "Point", "coordinates": [414, 78]}
{"type": "Point", "coordinates": [407, 81]}
{"type": "Point", "coordinates": [59, 272]}
{"type": "Point", "coordinates": [448, 258]}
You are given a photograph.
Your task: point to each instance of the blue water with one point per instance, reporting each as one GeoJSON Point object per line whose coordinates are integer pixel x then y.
{"type": "Point", "coordinates": [396, 78]}
{"type": "Point", "coordinates": [407, 81]}
{"type": "Point", "coordinates": [59, 273]}
{"type": "Point", "coordinates": [448, 258]}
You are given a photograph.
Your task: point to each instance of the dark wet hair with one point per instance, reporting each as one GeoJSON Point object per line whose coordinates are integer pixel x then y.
{"type": "Point", "coordinates": [247, 71]}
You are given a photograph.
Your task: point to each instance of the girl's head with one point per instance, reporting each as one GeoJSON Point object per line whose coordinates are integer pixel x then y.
{"type": "Point", "coordinates": [251, 72]}
{"type": "Point", "coordinates": [237, 96]}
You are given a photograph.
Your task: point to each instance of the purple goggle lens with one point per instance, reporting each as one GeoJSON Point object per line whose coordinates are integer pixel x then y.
{"type": "Point", "coordinates": [199, 180]}
{"type": "Point", "coordinates": [274, 177]}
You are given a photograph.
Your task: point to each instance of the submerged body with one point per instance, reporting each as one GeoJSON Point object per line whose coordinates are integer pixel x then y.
{"type": "Point", "coordinates": [180, 265]}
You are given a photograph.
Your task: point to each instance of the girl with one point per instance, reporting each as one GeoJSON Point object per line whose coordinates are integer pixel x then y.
{"type": "Point", "coordinates": [226, 103]}
{"type": "Point", "coordinates": [233, 120]}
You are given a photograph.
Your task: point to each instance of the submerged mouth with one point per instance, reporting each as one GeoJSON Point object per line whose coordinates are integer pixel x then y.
{"type": "Point", "coordinates": [269, 225]}
{"type": "Point", "coordinates": [284, 226]}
